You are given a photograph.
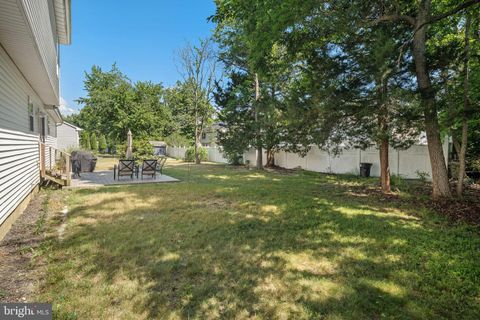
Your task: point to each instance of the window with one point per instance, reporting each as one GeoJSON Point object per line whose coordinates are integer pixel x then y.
{"type": "Point", "coordinates": [48, 127]}
{"type": "Point", "coordinates": [42, 129]}
{"type": "Point", "coordinates": [204, 135]}
{"type": "Point", "coordinates": [31, 118]}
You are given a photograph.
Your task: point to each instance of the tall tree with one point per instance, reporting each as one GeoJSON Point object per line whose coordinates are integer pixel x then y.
{"type": "Point", "coordinates": [197, 65]}
{"type": "Point", "coordinates": [466, 106]}
{"type": "Point", "coordinates": [255, 98]}
{"type": "Point", "coordinates": [460, 83]}
{"type": "Point", "coordinates": [113, 105]}
{"type": "Point", "coordinates": [303, 26]}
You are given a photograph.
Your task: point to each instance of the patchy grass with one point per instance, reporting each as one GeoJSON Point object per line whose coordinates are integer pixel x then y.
{"type": "Point", "coordinates": [233, 243]}
{"type": "Point", "coordinates": [105, 163]}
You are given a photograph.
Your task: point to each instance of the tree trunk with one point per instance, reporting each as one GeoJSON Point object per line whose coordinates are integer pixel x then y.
{"type": "Point", "coordinates": [384, 166]}
{"type": "Point", "coordinates": [270, 158]}
{"type": "Point", "coordinates": [258, 138]}
{"type": "Point", "coordinates": [440, 183]}
{"type": "Point", "coordinates": [198, 145]}
{"type": "Point", "coordinates": [383, 118]}
{"type": "Point", "coordinates": [466, 105]}
{"type": "Point", "coordinates": [197, 139]}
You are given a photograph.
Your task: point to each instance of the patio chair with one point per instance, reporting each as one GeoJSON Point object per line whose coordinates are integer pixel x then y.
{"type": "Point", "coordinates": [160, 164]}
{"type": "Point", "coordinates": [149, 167]}
{"type": "Point", "coordinates": [125, 168]}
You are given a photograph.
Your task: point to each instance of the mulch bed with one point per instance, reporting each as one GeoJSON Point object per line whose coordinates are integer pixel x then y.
{"type": "Point", "coordinates": [18, 273]}
{"type": "Point", "coordinates": [466, 209]}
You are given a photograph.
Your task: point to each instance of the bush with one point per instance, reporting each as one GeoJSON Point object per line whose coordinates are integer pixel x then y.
{"type": "Point", "coordinates": [475, 165]}
{"type": "Point", "coordinates": [422, 175]}
{"type": "Point", "coordinates": [142, 150]}
{"type": "Point", "coordinates": [94, 142]}
{"type": "Point", "coordinates": [398, 182]}
{"type": "Point", "coordinates": [102, 144]}
{"type": "Point", "coordinates": [190, 154]}
{"type": "Point", "coordinates": [234, 158]}
{"type": "Point", "coordinates": [176, 139]}
{"type": "Point", "coordinates": [85, 140]}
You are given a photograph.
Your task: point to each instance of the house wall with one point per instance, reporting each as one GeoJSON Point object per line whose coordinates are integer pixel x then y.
{"type": "Point", "coordinates": [20, 172]}
{"type": "Point", "coordinates": [19, 147]}
{"type": "Point", "coordinates": [67, 137]}
{"type": "Point", "coordinates": [15, 93]}
{"type": "Point", "coordinates": [42, 25]}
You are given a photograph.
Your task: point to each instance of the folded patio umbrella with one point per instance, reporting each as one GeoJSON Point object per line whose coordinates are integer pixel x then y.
{"type": "Point", "coordinates": [129, 153]}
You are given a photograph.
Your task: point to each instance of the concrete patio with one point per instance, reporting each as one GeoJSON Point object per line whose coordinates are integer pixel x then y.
{"type": "Point", "coordinates": [105, 178]}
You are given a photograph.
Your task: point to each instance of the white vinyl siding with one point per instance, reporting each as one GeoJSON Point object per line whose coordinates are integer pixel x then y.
{"type": "Point", "coordinates": [19, 169]}
{"type": "Point", "coordinates": [14, 93]}
{"type": "Point", "coordinates": [19, 149]}
{"type": "Point", "coordinates": [67, 137]}
{"type": "Point", "coordinates": [38, 15]}
{"type": "Point", "coordinates": [26, 34]}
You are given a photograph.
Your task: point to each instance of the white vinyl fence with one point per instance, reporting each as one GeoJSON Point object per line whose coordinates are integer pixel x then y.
{"type": "Point", "coordinates": [214, 153]}
{"type": "Point", "coordinates": [405, 163]}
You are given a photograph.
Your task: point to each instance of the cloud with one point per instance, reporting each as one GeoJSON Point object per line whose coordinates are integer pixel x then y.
{"type": "Point", "coordinates": [64, 108]}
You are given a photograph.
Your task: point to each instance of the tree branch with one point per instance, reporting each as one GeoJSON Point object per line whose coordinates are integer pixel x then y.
{"type": "Point", "coordinates": [448, 13]}
{"type": "Point", "coordinates": [397, 17]}
{"type": "Point", "coordinates": [453, 11]}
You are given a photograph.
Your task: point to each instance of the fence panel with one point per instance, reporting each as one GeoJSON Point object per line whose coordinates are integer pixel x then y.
{"type": "Point", "coordinates": [405, 163]}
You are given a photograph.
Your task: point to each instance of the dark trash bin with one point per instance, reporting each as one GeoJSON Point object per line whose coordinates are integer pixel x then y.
{"type": "Point", "coordinates": [93, 163]}
{"type": "Point", "coordinates": [76, 168]}
{"type": "Point", "coordinates": [365, 169]}
{"type": "Point", "coordinates": [86, 160]}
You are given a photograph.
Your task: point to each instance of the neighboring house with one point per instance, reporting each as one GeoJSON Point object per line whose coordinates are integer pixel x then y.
{"type": "Point", "coordinates": [159, 148]}
{"type": "Point", "coordinates": [209, 135]}
{"type": "Point", "coordinates": [30, 34]}
{"type": "Point", "coordinates": [68, 136]}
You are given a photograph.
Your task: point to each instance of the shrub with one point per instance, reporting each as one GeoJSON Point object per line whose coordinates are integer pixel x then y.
{"type": "Point", "coordinates": [398, 182]}
{"type": "Point", "coordinates": [176, 139]}
{"type": "Point", "coordinates": [102, 144]}
{"type": "Point", "coordinates": [190, 154]}
{"type": "Point", "coordinates": [475, 165]}
{"type": "Point", "coordinates": [234, 158]}
{"type": "Point", "coordinates": [94, 142]}
{"type": "Point", "coordinates": [422, 175]}
{"type": "Point", "coordinates": [85, 140]}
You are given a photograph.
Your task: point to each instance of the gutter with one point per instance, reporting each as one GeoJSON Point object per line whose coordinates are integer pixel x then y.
{"type": "Point", "coordinates": [56, 115]}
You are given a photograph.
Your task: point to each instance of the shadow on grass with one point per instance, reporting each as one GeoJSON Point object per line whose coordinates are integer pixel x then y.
{"type": "Point", "coordinates": [241, 244]}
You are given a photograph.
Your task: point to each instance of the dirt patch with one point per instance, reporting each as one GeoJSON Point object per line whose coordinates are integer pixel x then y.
{"type": "Point", "coordinates": [17, 277]}
{"type": "Point", "coordinates": [21, 259]}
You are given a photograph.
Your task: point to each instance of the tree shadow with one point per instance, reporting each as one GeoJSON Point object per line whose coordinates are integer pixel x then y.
{"type": "Point", "coordinates": [281, 248]}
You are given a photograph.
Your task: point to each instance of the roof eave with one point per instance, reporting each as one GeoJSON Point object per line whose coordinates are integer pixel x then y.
{"type": "Point", "coordinates": [64, 21]}
{"type": "Point", "coordinates": [54, 112]}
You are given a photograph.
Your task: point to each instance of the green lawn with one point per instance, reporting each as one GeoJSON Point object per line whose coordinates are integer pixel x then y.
{"type": "Point", "coordinates": [232, 243]}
